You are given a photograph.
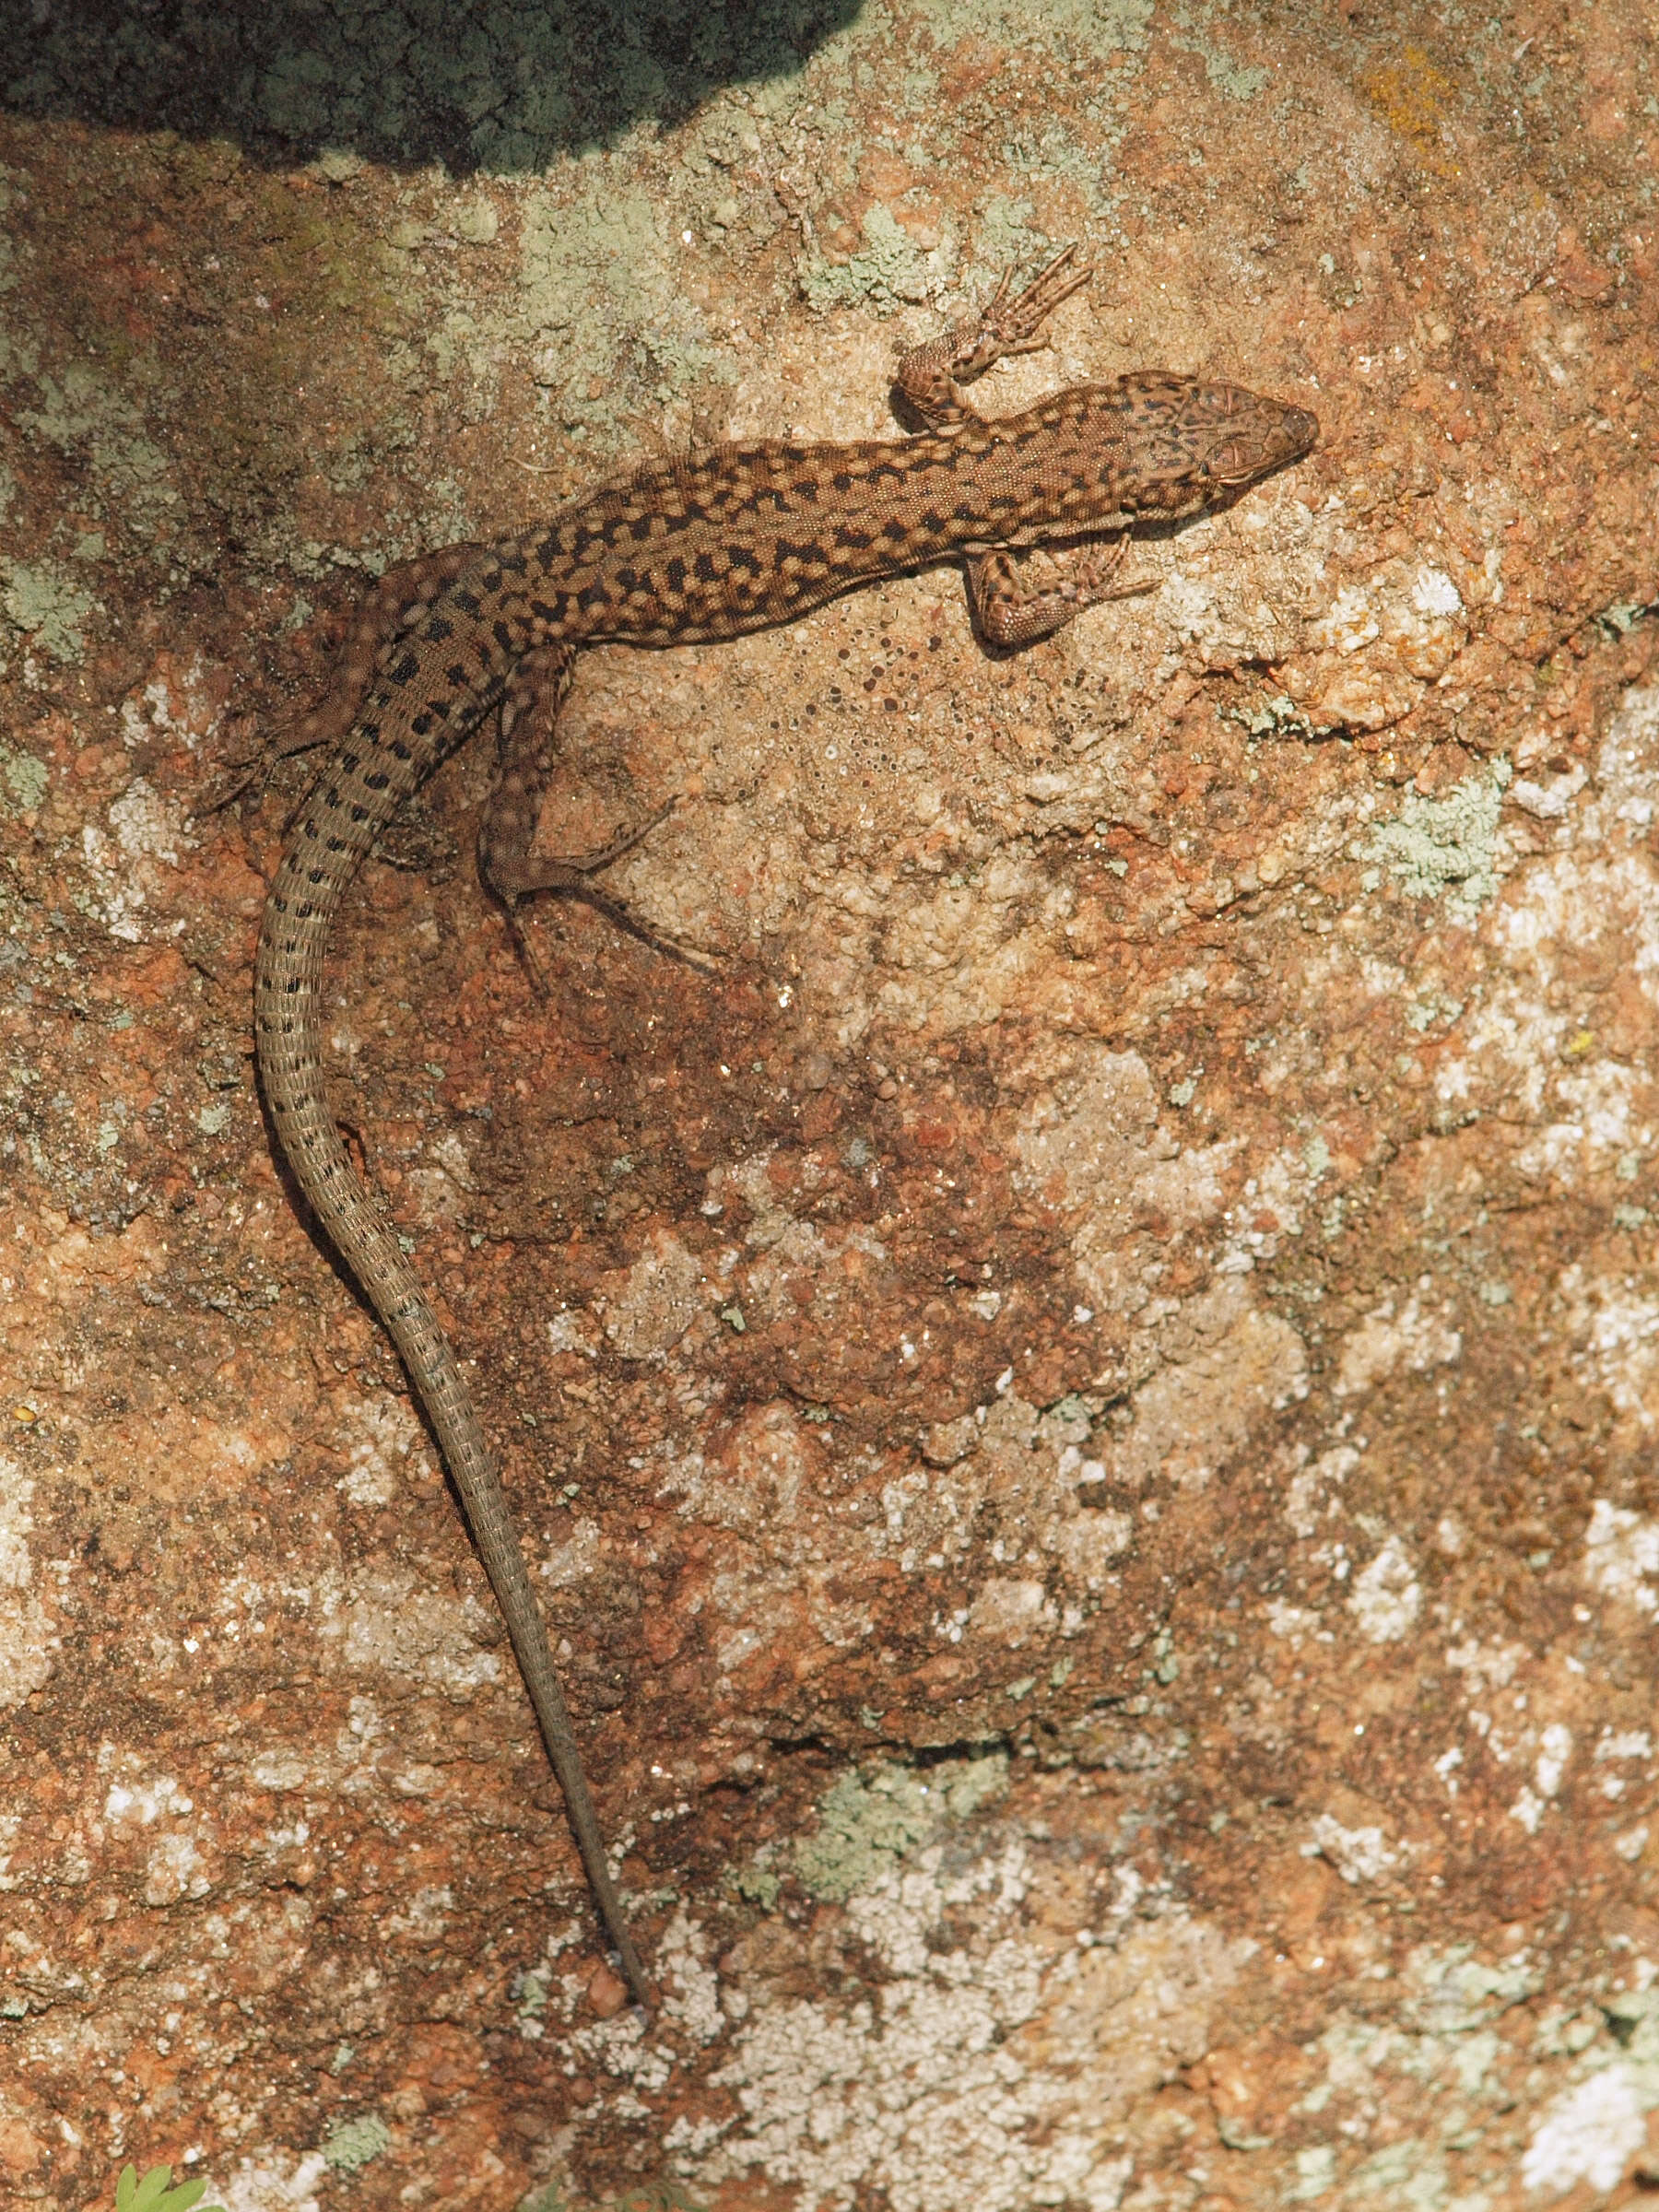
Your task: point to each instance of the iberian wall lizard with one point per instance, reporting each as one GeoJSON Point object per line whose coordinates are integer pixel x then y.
{"type": "Point", "coordinates": [731, 540]}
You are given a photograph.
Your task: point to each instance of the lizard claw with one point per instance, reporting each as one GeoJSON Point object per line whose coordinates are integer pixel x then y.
{"type": "Point", "coordinates": [1021, 322]}
{"type": "Point", "coordinates": [245, 772]}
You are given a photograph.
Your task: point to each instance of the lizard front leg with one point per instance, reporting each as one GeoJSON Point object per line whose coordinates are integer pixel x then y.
{"type": "Point", "coordinates": [931, 378]}
{"type": "Point", "coordinates": [1011, 613]}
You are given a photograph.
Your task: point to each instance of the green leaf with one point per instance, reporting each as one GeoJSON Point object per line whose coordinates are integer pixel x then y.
{"type": "Point", "coordinates": [154, 2193]}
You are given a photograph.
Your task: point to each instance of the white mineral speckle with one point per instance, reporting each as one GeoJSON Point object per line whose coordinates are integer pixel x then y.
{"type": "Point", "coordinates": [1386, 1596]}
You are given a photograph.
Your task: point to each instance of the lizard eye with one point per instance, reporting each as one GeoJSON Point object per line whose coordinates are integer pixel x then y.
{"type": "Point", "coordinates": [1231, 464]}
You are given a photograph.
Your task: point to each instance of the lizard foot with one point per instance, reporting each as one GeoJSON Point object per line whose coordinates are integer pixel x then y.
{"type": "Point", "coordinates": [1011, 612]}
{"type": "Point", "coordinates": [1009, 326]}
{"type": "Point", "coordinates": [930, 378]}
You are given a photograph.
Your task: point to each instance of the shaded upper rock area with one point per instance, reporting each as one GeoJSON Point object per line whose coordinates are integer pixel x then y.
{"type": "Point", "coordinates": [504, 86]}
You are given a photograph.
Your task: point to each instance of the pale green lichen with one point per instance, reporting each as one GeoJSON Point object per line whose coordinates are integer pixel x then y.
{"type": "Point", "coordinates": [41, 601]}
{"type": "Point", "coordinates": [529, 1993]}
{"type": "Point", "coordinates": [1048, 152]}
{"type": "Point", "coordinates": [1586, 2133]}
{"type": "Point", "coordinates": [1408, 2177]}
{"type": "Point", "coordinates": [1233, 79]}
{"type": "Point", "coordinates": [604, 306]}
{"type": "Point", "coordinates": [887, 271]}
{"type": "Point", "coordinates": [82, 414]}
{"type": "Point", "coordinates": [1443, 2039]}
{"type": "Point", "coordinates": [1095, 28]}
{"type": "Point", "coordinates": [1273, 716]}
{"type": "Point", "coordinates": [1315, 2173]}
{"type": "Point", "coordinates": [354, 2142]}
{"type": "Point", "coordinates": [868, 1823]}
{"type": "Point", "coordinates": [1009, 236]}
{"type": "Point", "coordinates": [1444, 846]}
{"type": "Point", "coordinates": [1451, 1992]}
{"type": "Point", "coordinates": [758, 1883]}
{"type": "Point", "coordinates": [23, 779]}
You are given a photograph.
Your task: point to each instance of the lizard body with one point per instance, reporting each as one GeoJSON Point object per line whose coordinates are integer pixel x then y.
{"type": "Point", "coordinates": [737, 538]}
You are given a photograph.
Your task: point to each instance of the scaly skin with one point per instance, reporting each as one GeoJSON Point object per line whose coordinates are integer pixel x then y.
{"type": "Point", "coordinates": [681, 552]}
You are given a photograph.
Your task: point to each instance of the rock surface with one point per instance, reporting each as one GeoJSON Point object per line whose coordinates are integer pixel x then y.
{"type": "Point", "coordinates": [1084, 1407]}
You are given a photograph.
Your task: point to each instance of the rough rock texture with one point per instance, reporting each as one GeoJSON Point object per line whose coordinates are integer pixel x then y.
{"type": "Point", "coordinates": [1085, 1407]}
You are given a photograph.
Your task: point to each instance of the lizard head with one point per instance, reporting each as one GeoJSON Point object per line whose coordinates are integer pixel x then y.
{"type": "Point", "coordinates": [1199, 445]}
{"type": "Point", "coordinates": [1256, 436]}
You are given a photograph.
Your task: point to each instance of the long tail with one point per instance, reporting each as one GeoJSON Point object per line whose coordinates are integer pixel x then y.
{"type": "Point", "coordinates": [365, 784]}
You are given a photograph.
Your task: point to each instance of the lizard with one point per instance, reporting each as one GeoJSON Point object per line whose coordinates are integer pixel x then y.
{"type": "Point", "coordinates": [732, 539]}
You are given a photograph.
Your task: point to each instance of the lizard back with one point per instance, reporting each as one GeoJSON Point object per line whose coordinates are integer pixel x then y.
{"type": "Point", "coordinates": [741, 536]}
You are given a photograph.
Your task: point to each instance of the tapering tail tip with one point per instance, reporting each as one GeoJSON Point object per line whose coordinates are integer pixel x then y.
{"type": "Point", "coordinates": [608, 1991]}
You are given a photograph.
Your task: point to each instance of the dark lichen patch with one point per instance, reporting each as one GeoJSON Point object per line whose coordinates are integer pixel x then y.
{"type": "Point", "coordinates": [187, 331]}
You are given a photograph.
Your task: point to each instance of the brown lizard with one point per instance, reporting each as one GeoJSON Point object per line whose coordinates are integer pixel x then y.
{"type": "Point", "coordinates": [680, 551]}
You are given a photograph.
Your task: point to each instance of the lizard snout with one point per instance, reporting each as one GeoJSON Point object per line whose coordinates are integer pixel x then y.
{"type": "Point", "coordinates": [1301, 429]}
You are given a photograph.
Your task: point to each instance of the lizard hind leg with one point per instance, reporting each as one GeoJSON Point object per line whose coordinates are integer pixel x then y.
{"type": "Point", "coordinates": [528, 759]}
{"type": "Point", "coordinates": [397, 601]}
